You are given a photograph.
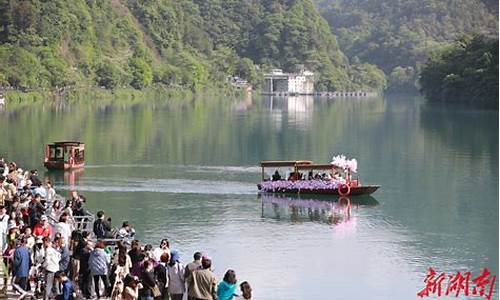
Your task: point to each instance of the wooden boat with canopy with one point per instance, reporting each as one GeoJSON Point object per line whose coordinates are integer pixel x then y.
{"type": "Point", "coordinates": [64, 155]}
{"type": "Point", "coordinates": [305, 177]}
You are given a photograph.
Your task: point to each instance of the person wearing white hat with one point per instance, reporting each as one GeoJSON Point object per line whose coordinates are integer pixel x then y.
{"type": "Point", "coordinates": [43, 228]}
{"type": "Point", "coordinates": [12, 231]}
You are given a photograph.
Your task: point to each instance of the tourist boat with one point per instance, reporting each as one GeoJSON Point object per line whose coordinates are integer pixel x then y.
{"type": "Point", "coordinates": [64, 155]}
{"type": "Point", "coordinates": [306, 177]}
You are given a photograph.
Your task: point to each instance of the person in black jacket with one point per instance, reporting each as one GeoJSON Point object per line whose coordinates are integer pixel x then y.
{"type": "Point", "coordinates": [85, 279]}
{"type": "Point", "coordinates": [161, 275]}
{"type": "Point", "coordinates": [148, 281]}
{"type": "Point", "coordinates": [102, 228]}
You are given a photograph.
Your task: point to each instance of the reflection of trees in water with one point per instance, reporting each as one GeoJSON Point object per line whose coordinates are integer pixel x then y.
{"type": "Point", "coordinates": [464, 130]}
{"type": "Point", "coordinates": [462, 127]}
{"type": "Point", "coordinates": [176, 130]}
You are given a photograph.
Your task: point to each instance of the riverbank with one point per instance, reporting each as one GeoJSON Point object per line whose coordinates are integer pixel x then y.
{"type": "Point", "coordinates": [22, 98]}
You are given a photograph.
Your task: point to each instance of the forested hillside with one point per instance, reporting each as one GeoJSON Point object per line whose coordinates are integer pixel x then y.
{"type": "Point", "coordinates": [186, 43]}
{"type": "Point", "coordinates": [465, 71]}
{"type": "Point", "coordinates": [398, 35]}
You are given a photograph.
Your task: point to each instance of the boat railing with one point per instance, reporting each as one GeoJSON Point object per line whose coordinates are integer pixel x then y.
{"type": "Point", "coordinates": [83, 223]}
{"type": "Point", "coordinates": [86, 223]}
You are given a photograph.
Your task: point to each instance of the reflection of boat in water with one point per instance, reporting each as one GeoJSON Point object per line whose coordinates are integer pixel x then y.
{"type": "Point", "coordinates": [365, 200]}
{"type": "Point", "coordinates": [313, 209]}
{"type": "Point", "coordinates": [306, 177]}
{"type": "Point", "coordinates": [68, 177]}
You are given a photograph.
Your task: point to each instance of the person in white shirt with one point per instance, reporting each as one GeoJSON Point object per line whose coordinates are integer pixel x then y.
{"type": "Point", "coordinates": [4, 223]}
{"type": "Point", "coordinates": [51, 192]}
{"type": "Point", "coordinates": [126, 231]}
{"type": "Point", "coordinates": [64, 228]}
{"type": "Point", "coordinates": [30, 239]}
{"type": "Point", "coordinates": [175, 277]}
{"type": "Point", "coordinates": [164, 248]}
{"type": "Point", "coordinates": [5, 171]}
{"type": "Point", "coordinates": [50, 265]}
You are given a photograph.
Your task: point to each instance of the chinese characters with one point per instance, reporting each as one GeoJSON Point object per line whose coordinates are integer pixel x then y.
{"type": "Point", "coordinates": [458, 283]}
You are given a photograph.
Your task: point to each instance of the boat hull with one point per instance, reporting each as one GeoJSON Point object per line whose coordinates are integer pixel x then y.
{"type": "Point", "coordinates": [61, 165]}
{"type": "Point", "coordinates": [355, 191]}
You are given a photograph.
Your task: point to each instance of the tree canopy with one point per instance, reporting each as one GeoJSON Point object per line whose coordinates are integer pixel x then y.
{"type": "Point", "coordinates": [397, 36]}
{"type": "Point", "coordinates": [187, 43]}
{"type": "Point", "coordinates": [465, 71]}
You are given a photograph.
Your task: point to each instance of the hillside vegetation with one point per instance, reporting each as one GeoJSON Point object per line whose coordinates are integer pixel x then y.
{"type": "Point", "coordinates": [465, 71]}
{"type": "Point", "coordinates": [185, 43]}
{"type": "Point", "coordinates": [397, 36]}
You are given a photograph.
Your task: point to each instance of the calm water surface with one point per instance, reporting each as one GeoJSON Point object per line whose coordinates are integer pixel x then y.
{"type": "Point", "coordinates": [186, 170]}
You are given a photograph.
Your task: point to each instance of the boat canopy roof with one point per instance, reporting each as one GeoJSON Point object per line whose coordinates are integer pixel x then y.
{"type": "Point", "coordinates": [316, 166]}
{"type": "Point", "coordinates": [67, 143]}
{"type": "Point", "coordinates": [284, 163]}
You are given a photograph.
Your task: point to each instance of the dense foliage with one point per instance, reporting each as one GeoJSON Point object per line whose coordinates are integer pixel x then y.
{"type": "Point", "coordinates": [465, 71]}
{"type": "Point", "coordinates": [186, 43]}
{"type": "Point", "coordinates": [397, 36]}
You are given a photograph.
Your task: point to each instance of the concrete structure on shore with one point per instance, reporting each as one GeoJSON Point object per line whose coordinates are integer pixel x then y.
{"type": "Point", "coordinates": [278, 83]}
{"type": "Point", "coordinates": [300, 83]}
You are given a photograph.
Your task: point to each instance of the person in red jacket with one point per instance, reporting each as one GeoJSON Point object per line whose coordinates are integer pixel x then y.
{"type": "Point", "coordinates": [43, 228]}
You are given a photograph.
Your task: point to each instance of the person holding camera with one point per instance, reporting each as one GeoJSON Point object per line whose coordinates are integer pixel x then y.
{"type": "Point", "coordinates": [132, 286]}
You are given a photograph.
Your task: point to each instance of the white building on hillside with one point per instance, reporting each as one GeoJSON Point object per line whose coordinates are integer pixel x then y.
{"type": "Point", "coordinates": [300, 83]}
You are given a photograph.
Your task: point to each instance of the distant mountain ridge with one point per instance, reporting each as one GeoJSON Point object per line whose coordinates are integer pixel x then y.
{"type": "Point", "coordinates": [398, 35]}
{"type": "Point", "coordinates": [185, 43]}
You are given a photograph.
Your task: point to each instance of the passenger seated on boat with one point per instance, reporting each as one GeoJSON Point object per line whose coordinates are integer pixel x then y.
{"type": "Point", "coordinates": [294, 176]}
{"type": "Point", "coordinates": [127, 231]}
{"type": "Point", "coordinates": [310, 176]}
{"type": "Point", "coordinates": [276, 176]}
{"type": "Point", "coordinates": [317, 177]}
{"type": "Point", "coordinates": [338, 177]}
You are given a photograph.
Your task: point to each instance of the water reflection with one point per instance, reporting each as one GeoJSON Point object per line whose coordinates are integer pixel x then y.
{"type": "Point", "coordinates": [297, 110]}
{"type": "Point", "coordinates": [70, 178]}
{"type": "Point", "coordinates": [297, 209]}
{"type": "Point", "coordinates": [245, 104]}
{"type": "Point", "coordinates": [156, 162]}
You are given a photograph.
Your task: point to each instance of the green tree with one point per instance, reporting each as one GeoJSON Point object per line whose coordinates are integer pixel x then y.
{"type": "Point", "coordinates": [108, 75]}
{"type": "Point", "coordinates": [142, 74]}
{"type": "Point", "coordinates": [464, 71]}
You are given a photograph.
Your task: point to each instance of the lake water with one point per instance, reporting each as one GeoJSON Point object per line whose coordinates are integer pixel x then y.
{"type": "Point", "coordinates": [186, 170]}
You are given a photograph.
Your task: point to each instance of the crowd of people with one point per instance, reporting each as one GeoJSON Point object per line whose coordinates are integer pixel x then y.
{"type": "Point", "coordinates": [52, 249]}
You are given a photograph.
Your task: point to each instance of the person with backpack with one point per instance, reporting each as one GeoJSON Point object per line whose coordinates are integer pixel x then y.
{"type": "Point", "coordinates": [102, 227]}
{"type": "Point", "coordinates": [175, 277]}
